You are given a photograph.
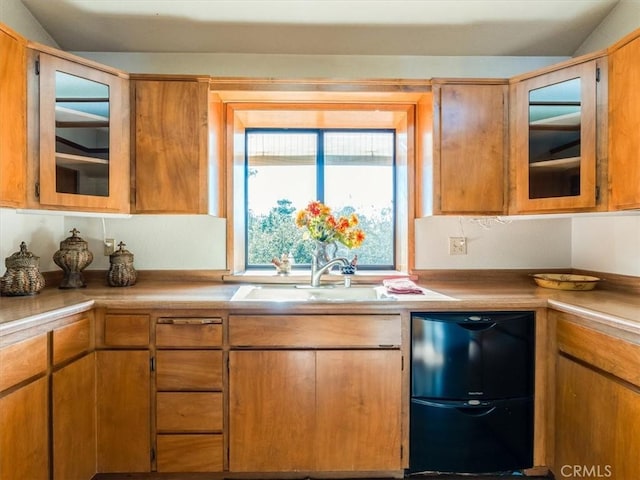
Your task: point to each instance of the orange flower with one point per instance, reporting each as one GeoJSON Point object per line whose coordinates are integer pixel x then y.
{"type": "Point", "coordinates": [323, 226]}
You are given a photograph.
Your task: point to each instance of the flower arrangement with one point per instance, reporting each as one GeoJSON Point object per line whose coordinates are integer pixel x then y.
{"type": "Point", "coordinates": [324, 227]}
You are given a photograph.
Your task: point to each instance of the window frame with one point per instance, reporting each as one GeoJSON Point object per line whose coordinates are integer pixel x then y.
{"type": "Point", "coordinates": [320, 185]}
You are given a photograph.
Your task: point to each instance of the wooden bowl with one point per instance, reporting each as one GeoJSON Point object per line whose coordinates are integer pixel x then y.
{"type": "Point", "coordinates": [565, 281]}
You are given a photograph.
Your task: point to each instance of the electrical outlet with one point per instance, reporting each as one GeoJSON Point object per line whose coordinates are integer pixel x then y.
{"type": "Point", "coordinates": [457, 246]}
{"type": "Point", "coordinates": [109, 246]}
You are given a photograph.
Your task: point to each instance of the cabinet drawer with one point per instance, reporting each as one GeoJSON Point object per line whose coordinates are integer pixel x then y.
{"type": "Point", "coordinates": [126, 330]}
{"type": "Point", "coordinates": [189, 453]}
{"type": "Point", "coordinates": [22, 360]}
{"type": "Point", "coordinates": [315, 330]}
{"type": "Point", "coordinates": [189, 370]}
{"type": "Point", "coordinates": [71, 340]}
{"type": "Point", "coordinates": [189, 332]}
{"type": "Point", "coordinates": [189, 412]}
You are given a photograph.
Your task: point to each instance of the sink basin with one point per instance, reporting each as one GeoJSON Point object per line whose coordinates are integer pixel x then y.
{"type": "Point", "coordinates": [304, 293]}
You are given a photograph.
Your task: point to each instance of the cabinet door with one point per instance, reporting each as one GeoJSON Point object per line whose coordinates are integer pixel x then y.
{"type": "Point", "coordinates": [24, 436]}
{"type": "Point", "coordinates": [554, 141]}
{"type": "Point", "coordinates": [358, 423]}
{"type": "Point", "coordinates": [123, 411]}
{"type": "Point", "coordinates": [74, 420]}
{"type": "Point", "coordinates": [13, 112]}
{"type": "Point", "coordinates": [469, 144]}
{"type": "Point", "coordinates": [624, 125]}
{"type": "Point", "coordinates": [171, 146]}
{"type": "Point", "coordinates": [597, 424]}
{"type": "Point", "coordinates": [271, 411]}
{"type": "Point", "coordinates": [84, 132]}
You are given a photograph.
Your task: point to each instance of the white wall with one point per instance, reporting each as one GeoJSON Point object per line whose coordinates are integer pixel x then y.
{"type": "Point", "coordinates": [14, 14]}
{"type": "Point", "coordinates": [606, 244]}
{"type": "Point", "coordinates": [320, 66]}
{"type": "Point", "coordinates": [503, 244]}
{"type": "Point", "coordinates": [623, 19]}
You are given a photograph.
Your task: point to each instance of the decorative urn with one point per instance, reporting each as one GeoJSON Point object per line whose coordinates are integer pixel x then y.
{"type": "Point", "coordinates": [23, 275]}
{"type": "Point", "coordinates": [121, 272]}
{"type": "Point", "coordinates": [73, 257]}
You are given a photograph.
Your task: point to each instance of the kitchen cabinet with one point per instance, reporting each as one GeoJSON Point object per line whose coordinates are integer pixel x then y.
{"type": "Point", "coordinates": [73, 402]}
{"type": "Point", "coordinates": [597, 402]}
{"type": "Point", "coordinates": [468, 160]}
{"type": "Point", "coordinates": [624, 123]}
{"type": "Point", "coordinates": [554, 139]}
{"type": "Point", "coordinates": [315, 393]}
{"type": "Point", "coordinates": [171, 145]}
{"type": "Point", "coordinates": [189, 394]}
{"type": "Point", "coordinates": [24, 410]}
{"type": "Point", "coordinates": [123, 392]}
{"type": "Point", "coordinates": [80, 146]}
{"type": "Point", "coordinates": [13, 128]}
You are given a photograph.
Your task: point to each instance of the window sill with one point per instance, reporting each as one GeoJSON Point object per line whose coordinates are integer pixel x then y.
{"type": "Point", "coordinates": [268, 275]}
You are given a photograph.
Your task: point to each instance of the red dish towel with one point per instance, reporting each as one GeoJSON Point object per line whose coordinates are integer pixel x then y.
{"type": "Point", "coordinates": [401, 285]}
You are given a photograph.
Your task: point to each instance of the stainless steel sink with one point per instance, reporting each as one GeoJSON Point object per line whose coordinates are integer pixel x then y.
{"type": "Point", "coordinates": [303, 293]}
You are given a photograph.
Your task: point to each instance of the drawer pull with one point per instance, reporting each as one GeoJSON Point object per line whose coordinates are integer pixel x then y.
{"type": "Point", "coordinates": [189, 321]}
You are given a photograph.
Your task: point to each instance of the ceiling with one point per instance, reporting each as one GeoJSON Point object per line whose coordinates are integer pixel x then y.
{"type": "Point", "coordinates": [332, 27]}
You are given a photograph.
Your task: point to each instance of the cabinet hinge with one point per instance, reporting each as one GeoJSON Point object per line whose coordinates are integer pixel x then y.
{"type": "Point", "coordinates": [37, 189]}
{"type": "Point", "coordinates": [153, 454]}
{"type": "Point", "coordinates": [402, 363]}
{"type": "Point", "coordinates": [597, 74]}
{"type": "Point", "coordinates": [152, 364]}
{"type": "Point", "coordinates": [597, 194]}
{"type": "Point", "coordinates": [37, 66]}
{"type": "Point", "coordinates": [401, 452]}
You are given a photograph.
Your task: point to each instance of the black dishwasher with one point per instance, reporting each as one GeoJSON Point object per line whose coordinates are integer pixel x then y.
{"type": "Point", "coordinates": [472, 385]}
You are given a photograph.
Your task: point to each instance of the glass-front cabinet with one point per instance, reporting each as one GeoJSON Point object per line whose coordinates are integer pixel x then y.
{"type": "Point", "coordinates": [555, 140]}
{"type": "Point", "coordinates": [83, 132]}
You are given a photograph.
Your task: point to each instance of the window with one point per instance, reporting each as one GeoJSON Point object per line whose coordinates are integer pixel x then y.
{"type": "Point", "coordinates": [352, 171]}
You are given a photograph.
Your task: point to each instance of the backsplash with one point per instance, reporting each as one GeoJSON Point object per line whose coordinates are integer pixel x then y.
{"type": "Point", "coordinates": [605, 243]}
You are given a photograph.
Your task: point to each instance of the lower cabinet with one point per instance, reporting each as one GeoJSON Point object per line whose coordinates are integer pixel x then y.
{"type": "Point", "coordinates": [597, 404]}
{"type": "Point", "coordinates": [321, 398]}
{"type": "Point", "coordinates": [124, 411]}
{"type": "Point", "coordinates": [74, 420]}
{"type": "Point", "coordinates": [24, 435]}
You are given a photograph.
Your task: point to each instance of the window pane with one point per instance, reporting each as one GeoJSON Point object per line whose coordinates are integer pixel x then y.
{"type": "Point", "coordinates": [358, 177]}
{"type": "Point", "coordinates": [281, 179]}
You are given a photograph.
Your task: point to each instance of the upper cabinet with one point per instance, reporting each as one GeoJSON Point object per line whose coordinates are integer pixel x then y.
{"type": "Point", "coordinates": [624, 123]}
{"type": "Point", "coordinates": [463, 170]}
{"type": "Point", "coordinates": [13, 123]}
{"type": "Point", "coordinates": [83, 134]}
{"type": "Point", "coordinates": [171, 129]}
{"type": "Point", "coordinates": [554, 140]}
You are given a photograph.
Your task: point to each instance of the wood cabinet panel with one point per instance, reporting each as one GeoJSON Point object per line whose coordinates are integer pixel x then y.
{"type": "Point", "coordinates": [74, 420]}
{"type": "Point", "coordinates": [24, 436]}
{"type": "Point", "coordinates": [271, 411]}
{"type": "Point", "coordinates": [314, 330]}
{"type": "Point", "coordinates": [358, 410]}
{"type": "Point", "coordinates": [22, 360]}
{"type": "Point", "coordinates": [71, 340]}
{"type": "Point", "coordinates": [13, 112]}
{"type": "Point", "coordinates": [123, 411]}
{"type": "Point", "coordinates": [469, 144]}
{"type": "Point", "coordinates": [171, 146]}
{"type": "Point", "coordinates": [189, 370]}
{"type": "Point", "coordinates": [597, 420]}
{"type": "Point", "coordinates": [189, 334]}
{"type": "Point", "coordinates": [190, 453]}
{"type": "Point", "coordinates": [624, 124]}
{"type": "Point", "coordinates": [126, 330]}
{"type": "Point", "coordinates": [189, 412]}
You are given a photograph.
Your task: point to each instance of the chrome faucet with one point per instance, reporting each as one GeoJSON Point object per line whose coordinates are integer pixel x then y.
{"type": "Point", "coordinates": [316, 272]}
